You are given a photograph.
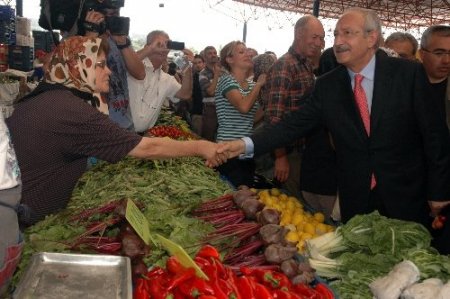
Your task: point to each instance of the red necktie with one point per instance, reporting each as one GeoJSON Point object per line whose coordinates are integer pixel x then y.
{"type": "Point", "coordinates": [363, 107]}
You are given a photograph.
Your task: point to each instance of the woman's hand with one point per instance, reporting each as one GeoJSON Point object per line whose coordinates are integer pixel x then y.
{"type": "Point", "coordinates": [261, 80]}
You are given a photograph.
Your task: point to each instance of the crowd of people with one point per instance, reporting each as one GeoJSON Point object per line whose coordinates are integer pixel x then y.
{"type": "Point", "coordinates": [350, 128]}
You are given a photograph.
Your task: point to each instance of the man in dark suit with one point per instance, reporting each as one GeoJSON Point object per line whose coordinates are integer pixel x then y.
{"type": "Point", "coordinates": [394, 155]}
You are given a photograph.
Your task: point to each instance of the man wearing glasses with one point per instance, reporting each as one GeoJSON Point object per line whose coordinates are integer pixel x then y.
{"type": "Point", "coordinates": [435, 54]}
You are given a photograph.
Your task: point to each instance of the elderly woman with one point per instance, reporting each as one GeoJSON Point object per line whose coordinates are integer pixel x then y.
{"type": "Point", "coordinates": [56, 128]}
{"type": "Point", "coordinates": [236, 107]}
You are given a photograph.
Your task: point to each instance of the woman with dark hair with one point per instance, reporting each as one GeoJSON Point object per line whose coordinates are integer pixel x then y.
{"type": "Point", "coordinates": [56, 128]}
{"type": "Point", "coordinates": [236, 107]}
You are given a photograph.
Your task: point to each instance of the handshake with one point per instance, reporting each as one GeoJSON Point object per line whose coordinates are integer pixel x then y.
{"type": "Point", "coordinates": [218, 153]}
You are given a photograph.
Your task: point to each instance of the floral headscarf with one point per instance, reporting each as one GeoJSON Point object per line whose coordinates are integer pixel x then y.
{"type": "Point", "coordinates": [72, 64]}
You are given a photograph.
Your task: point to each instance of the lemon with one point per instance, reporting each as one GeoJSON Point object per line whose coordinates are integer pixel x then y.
{"type": "Point", "coordinates": [283, 196]}
{"type": "Point", "coordinates": [297, 218]}
{"type": "Point", "coordinates": [254, 190]}
{"type": "Point", "coordinates": [309, 228]}
{"type": "Point", "coordinates": [306, 236]}
{"type": "Point", "coordinates": [285, 219]}
{"type": "Point", "coordinates": [320, 217]}
{"type": "Point", "coordinates": [290, 205]}
{"type": "Point", "coordinates": [321, 228]}
{"type": "Point", "coordinates": [263, 193]}
{"type": "Point", "coordinates": [275, 191]}
{"type": "Point", "coordinates": [292, 237]}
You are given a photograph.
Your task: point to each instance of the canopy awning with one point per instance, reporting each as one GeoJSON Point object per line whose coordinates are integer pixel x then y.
{"type": "Point", "coordinates": [404, 14]}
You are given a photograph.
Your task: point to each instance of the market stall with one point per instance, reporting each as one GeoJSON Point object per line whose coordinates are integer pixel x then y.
{"type": "Point", "coordinates": [253, 234]}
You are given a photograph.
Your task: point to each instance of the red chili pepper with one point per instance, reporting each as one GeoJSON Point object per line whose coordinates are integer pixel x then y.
{"type": "Point", "coordinates": [173, 265]}
{"type": "Point", "coordinates": [141, 289]}
{"type": "Point", "coordinates": [245, 287]}
{"type": "Point", "coordinates": [202, 262]}
{"type": "Point", "coordinates": [280, 294]}
{"type": "Point", "coordinates": [261, 292]}
{"type": "Point", "coordinates": [157, 290]}
{"type": "Point", "coordinates": [270, 278]}
{"type": "Point", "coordinates": [196, 287]}
{"type": "Point", "coordinates": [220, 268]}
{"type": "Point", "coordinates": [207, 297]}
{"type": "Point", "coordinates": [305, 291]}
{"type": "Point", "coordinates": [208, 251]}
{"type": "Point", "coordinates": [180, 278]}
{"type": "Point", "coordinates": [324, 291]}
{"type": "Point", "coordinates": [155, 271]}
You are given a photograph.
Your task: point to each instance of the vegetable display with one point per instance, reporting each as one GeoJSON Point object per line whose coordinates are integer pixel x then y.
{"type": "Point", "coordinates": [367, 247]}
{"type": "Point", "coordinates": [167, 191]}
{"type": "Point", "coordinates": [175, 281]}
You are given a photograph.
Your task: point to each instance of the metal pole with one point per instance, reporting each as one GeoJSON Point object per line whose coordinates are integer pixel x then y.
{"type": "Point", "coordinates": [316, 8]}
{"type": "Point", "coordinates": [19, 8]}
{"type": "Point", "coordinates": [244, 34]}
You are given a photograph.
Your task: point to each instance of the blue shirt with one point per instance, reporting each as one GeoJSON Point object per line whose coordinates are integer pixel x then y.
{"type": "Point", "coordinates": [368, 72]}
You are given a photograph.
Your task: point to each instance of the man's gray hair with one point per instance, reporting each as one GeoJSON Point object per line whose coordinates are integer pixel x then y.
{"type": "Point", "coordinates": [303, 21]}
{"type": "Point", "coordinates": [441, 30]}
{"type": "Point", "coordinates": [371, 22]}
{"type": "Point", "coordinates": [403, 37]}
{"type": "Point", "coordinates": [152, 35]}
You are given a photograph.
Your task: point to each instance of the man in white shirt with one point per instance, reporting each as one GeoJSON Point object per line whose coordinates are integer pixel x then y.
{"type": "Point", "coordinates": [148, 95]}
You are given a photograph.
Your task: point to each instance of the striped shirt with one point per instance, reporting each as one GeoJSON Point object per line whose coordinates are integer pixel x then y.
{"type": "Point", "coordinates": [232, 123]}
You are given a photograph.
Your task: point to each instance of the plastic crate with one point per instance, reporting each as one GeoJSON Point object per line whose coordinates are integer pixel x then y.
{"type": "Point", "coordinates": [21, 58]}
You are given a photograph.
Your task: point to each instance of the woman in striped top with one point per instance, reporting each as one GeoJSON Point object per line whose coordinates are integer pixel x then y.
{"type": "Point", "coordinates": [236, 106]}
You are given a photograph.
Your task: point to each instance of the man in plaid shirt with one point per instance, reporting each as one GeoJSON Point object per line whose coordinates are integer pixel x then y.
{"type": "Point", "coordinates": [289, 82]}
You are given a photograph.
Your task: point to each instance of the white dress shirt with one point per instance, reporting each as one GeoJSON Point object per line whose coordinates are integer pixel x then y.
{"type": "Point", "coordinates": [148, 95]}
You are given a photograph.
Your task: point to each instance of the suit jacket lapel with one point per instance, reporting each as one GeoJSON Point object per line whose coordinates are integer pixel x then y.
{"type": "Point", "coordinates": [381, 89]}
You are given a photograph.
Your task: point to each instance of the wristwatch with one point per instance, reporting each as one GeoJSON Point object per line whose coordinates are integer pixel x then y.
{"type": "Point", "coordinates": [126, 45]}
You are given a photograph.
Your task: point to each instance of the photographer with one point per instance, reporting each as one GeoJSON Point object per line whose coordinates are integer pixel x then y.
{"type": "Point", "coordinates": [148, 95]}
{"type": "Point", "coordinates": [122, 59]}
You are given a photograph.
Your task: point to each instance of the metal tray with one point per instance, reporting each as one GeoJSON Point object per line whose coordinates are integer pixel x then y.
{"type": "Point", "coordinates": [60, 275]}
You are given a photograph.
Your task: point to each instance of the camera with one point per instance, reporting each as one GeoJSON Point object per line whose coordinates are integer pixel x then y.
{"type": "Point", "coordinates": [173, 45]}
{"type": "Point", "coordinates": [60, 15]}
{"type": "Point", "coordinates": [115, 24]}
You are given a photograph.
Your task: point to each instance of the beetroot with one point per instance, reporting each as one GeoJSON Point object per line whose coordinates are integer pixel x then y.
{"type": "Point", "coordinates": [272, 233]}
{"type": "Point", "coordinates": [276, 253]}
{"type": "Point", "coordinates": [251, 206]}
{"type": "Point", "coordinates": [268, 216]}
{"type": "Point", "coordinates": [289, 267]}
{"type": "Point", "coordinates": [241, 195]}
{"type": "Point", "coordinates": [305, 278]}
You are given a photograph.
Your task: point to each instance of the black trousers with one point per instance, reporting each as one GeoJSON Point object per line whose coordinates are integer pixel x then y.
{"type": "Point", "coordinates": [239, 172]}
